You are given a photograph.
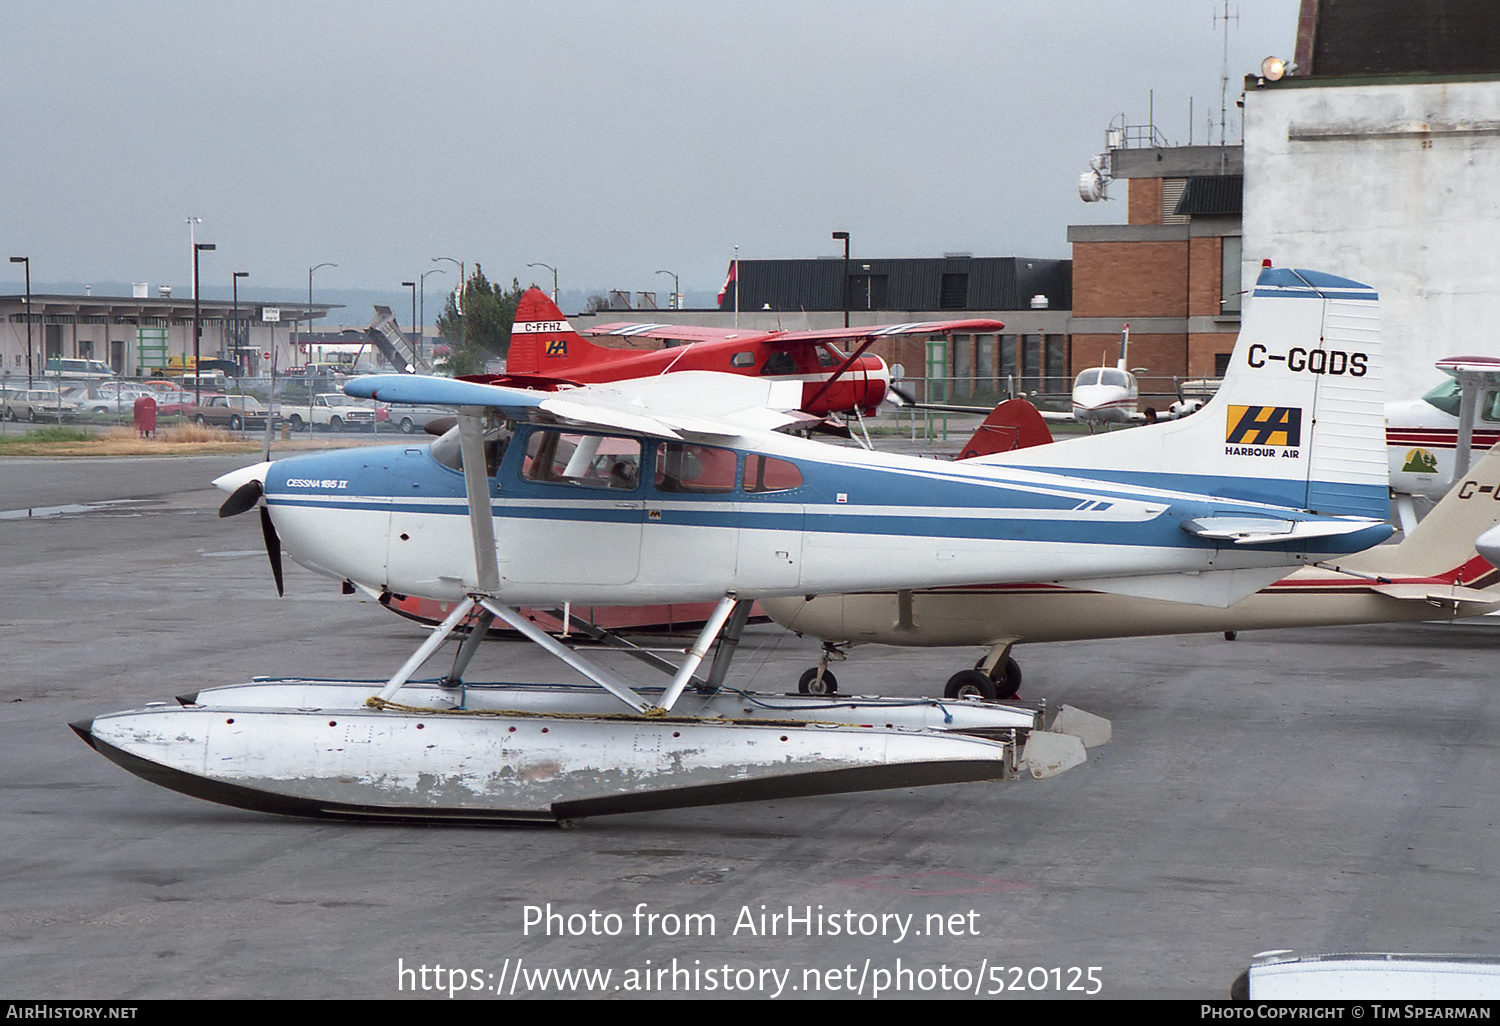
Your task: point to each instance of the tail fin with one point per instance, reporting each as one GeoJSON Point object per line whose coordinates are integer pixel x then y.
{"type": "Point", "coordinates": [1299, 420]}
{"type": "Point", "coordinates": [1014, 424]}
{"type": "Point", "coordinates": [543, 343]}
{"type": "Point", "coordinates": [1442, 545]}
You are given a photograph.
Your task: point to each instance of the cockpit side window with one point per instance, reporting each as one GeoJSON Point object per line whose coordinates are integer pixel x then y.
{"type": "Point", "coordinates": [587, 461]}
{"type": "Point", "coordinates": [779, 362]}
{"type": "Point", "coordinates": [448, 451]}
{"type": "Point", "coordinates": [696, 469]}
{"type": "Point", "coordinates": [1489, 409]}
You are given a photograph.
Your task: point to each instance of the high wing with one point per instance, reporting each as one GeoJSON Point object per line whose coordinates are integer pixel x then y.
{"type": "Point", "coordinates": [692, 333]}
{"type": "Point", "coordinates": [692, 402]}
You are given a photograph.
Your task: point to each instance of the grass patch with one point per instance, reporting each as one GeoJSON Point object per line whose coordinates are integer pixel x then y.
{"type": "Point", "coordinates": [45, 434]}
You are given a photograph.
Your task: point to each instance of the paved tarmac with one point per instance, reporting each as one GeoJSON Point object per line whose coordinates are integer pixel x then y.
{"type": "Point", "coordinates": [1322, 791]}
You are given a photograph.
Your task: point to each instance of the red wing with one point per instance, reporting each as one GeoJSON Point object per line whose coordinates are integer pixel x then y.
{"type": "Point", "coordinates": [974, 325]}
{"type": "Point", "coordinates": [691, 333]}
{"type": "Point", "coordinates": [679, 332]}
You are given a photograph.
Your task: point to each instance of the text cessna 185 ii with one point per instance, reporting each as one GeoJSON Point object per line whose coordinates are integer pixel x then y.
{"type": "Point", "coordinates": [678, 488]}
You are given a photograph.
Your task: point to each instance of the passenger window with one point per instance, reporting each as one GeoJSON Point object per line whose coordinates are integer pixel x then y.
{"type": "Point", "coordinates": [695, 469]}
{"type": "Point", "coordinates": [589, 461]}
{"type": "Point", "coordinates": [769, 474]}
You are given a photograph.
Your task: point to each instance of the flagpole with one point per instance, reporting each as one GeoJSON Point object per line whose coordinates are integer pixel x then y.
{"type": "Point", "coordinates": [736, 286]}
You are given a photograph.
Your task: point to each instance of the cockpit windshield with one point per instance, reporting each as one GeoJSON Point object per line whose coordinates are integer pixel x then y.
{"type": "Point", "coordinates": [1088, 377]}
{"type": "Point", "coordinates": [1449, 395]}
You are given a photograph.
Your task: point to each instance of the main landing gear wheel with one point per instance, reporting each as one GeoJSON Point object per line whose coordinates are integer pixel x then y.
{"type": "Point", "coordinates": [1003, 683]}
{"type": "Point", "coordinates": [811, 684]}
{"type": "Point", "coordinates": [969, 684]}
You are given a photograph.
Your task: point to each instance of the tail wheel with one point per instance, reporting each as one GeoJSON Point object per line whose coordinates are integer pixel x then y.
{"type": "Point", "coordinates": [812, 683]}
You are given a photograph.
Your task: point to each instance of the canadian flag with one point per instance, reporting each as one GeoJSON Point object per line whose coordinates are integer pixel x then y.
{"type": "Point", "coordinates": [728, 281]}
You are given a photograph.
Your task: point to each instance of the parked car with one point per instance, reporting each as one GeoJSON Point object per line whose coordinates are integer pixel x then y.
{"type": "Point", "coordinates": [411, 419]}
{"type": "Point", "coordinates": [113, 398]}
{"type": "Point", "coordinates": [78, 370]}
{"type": "Point", "coordinates": [331, 410]}
{"type": "Point", "coordinates": [38, 404]}
{"type": "Point", "coordinates": [235, 412]}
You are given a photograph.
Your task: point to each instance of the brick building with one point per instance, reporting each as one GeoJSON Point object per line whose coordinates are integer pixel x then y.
{"type": "Point", "coordinates": [1172, 272]}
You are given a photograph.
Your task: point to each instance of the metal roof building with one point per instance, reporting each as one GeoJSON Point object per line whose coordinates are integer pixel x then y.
{"type": "Point", "coordinates": [137, 334]}
{"type": "Point", "coordinates": [956, 282]}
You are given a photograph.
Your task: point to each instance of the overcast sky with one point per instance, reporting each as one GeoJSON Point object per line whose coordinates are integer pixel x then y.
{"type": "Point", "coordinates": [608, 139]}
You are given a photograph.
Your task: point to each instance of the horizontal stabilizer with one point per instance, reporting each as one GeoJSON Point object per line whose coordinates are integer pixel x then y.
{"type": "Point", "coordinates": [1271, 531]}
{"type": "Point", "coordinates": [1435, 591]}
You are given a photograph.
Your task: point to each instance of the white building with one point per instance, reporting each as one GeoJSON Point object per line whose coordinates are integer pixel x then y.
{"type": "Point", "coordinates": [1381, 165]}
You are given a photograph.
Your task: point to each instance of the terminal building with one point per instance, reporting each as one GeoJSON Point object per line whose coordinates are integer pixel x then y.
{"type": "Point", "coordinates": [141, 334]}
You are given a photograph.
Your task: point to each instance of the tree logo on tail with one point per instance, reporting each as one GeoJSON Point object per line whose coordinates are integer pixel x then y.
{"type": "Point", "coordinates": [1419, 461]}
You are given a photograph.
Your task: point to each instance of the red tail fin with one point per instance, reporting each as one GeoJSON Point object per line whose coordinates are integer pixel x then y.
{"type": "Point", "coordinates": [1014, 424]}
{"type": "Point", "coordinates": [542, 342]}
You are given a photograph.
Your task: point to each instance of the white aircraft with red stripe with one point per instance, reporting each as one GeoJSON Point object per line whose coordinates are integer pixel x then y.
{"type": "Point", "coordinates": [1430, 439]}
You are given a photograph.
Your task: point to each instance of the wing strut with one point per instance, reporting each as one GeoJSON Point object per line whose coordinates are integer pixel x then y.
{"type": "Point", "coordinates": [843, 368]}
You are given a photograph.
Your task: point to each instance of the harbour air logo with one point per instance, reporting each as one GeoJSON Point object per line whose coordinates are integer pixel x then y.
{"type": "Point", "coordinates": [1263, 431]}
{"type": "Point", "coordinates": [557, 347]}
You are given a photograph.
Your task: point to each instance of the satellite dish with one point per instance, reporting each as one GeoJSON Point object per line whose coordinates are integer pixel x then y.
{"type": "Point", "coordinates": [1091, 186]}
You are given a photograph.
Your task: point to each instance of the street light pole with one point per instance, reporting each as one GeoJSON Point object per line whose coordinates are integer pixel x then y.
{"type": "Point", "coordinates": [193, 223]}
{"type": "Point", "coordinates": [27, 262]}
{"type": "Point", "coordinates": [413, 286]}
{"type": "Point", "coordinates": [676, 303]}
{"type": "Point", "coordinates": [422, 307]}
{"type": "Point", "coordinates": [234, 333]}
{"type": "Point", "coordinates": [310, 271]}
{"type": "Point", "coordinates": [554, 277]}
{"type": "Point", "coordinates": [458, 295]}
{"type": "Point", "coordinates": [198, 247]}
{"type": "Point", "coordinates": [845, 237]}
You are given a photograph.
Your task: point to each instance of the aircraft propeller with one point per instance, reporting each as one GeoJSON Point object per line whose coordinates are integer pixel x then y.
{"type": "Point", "coordinates": [245, 497]}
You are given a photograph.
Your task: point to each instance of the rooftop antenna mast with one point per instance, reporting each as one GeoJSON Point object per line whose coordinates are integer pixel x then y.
{"type": "Point", "coordinates": [1225, 17]}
